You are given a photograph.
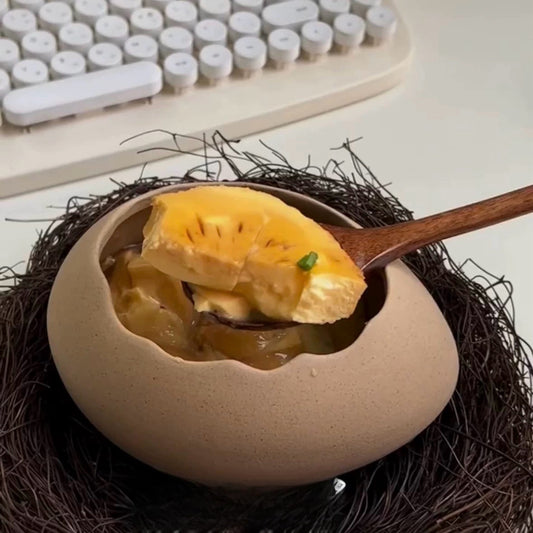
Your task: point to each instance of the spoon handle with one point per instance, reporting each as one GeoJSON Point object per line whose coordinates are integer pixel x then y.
{"type": "Point", "coordinates": [386, 244]}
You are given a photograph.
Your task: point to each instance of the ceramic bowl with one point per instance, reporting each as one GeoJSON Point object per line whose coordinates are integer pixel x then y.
{"type": "Point", "coordinates": [223, 423]}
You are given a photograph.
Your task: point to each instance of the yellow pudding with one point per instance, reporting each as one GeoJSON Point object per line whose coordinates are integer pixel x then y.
{"type": "Point", "coordinates": [252, 245]}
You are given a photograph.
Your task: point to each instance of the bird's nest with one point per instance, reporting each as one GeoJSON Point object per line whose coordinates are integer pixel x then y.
{"type": "Point", "coordinates": [470, 471]}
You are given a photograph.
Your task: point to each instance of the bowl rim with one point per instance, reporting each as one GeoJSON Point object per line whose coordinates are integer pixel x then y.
{"type": "Point", "coordinates": [112, 220]}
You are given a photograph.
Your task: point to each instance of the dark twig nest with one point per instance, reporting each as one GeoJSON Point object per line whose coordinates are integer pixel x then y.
{"type": "Point", "coordinates": [470, 471]}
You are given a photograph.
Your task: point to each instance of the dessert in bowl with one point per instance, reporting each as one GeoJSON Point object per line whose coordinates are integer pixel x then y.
{"type": "Point", "coordinates": [244, 408]}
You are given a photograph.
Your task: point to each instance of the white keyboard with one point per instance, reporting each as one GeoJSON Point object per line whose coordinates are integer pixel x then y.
{"type": "Point", "coordinates": [76, 75]}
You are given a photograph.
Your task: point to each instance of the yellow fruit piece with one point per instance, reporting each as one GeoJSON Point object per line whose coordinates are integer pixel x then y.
{"type": "Point", "coordinates": [201, 235]}
{"type": "Point", "coordinates": [161, 288]}
{"type": "Point", "coordinates": [221, 302]}
{"type": "Point", "coordinates": [249, 242]}
{"type": "Point", "coordinates": [149, 303]}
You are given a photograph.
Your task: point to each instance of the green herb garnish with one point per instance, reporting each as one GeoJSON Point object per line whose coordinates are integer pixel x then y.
{"type": "Point", "coordinates": [307, 262]}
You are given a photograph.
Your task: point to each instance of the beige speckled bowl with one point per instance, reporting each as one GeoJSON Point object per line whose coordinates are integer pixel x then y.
{"type": "Point", "coordinates": [226, 424]}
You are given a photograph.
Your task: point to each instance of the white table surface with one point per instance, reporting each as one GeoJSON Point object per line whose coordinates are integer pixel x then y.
{"type": "Point", "coordinates": [458, 130]}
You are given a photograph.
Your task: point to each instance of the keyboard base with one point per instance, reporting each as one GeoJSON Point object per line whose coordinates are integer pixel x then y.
{"type": "Point", "coordinates": [89, 145]}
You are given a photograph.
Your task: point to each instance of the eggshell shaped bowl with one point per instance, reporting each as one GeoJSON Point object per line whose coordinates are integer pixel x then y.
{"type": "Point", "coordinates": [223, 423]}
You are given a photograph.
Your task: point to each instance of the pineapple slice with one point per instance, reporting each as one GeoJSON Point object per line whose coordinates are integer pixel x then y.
{"type": "Point", "coordinates": [279, 288]}
{"type": "Point", "coordinates": [249, 242]}
{"type": "Point", "coordinates": [202, 235]}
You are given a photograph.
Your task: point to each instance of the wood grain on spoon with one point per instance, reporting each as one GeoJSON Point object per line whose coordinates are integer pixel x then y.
{"type": "Point", "coordinates": [376, 247]}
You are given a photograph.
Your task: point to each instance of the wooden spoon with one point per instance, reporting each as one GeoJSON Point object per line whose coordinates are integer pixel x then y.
{"type": "Point", "coordinates": [375, 248]}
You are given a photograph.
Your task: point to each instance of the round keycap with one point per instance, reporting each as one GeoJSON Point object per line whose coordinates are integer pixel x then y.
{"type": "Point", "coordinates": [215, 9]}
{"type": "Point", "coordinates": [76, 36]}
{"type": "Point", "coordinates": [175, 39]}
{"type": "Point", "coordinates": [67, 64]}
{"type": "Point", "coordinates": [18, 22]}
{"type": "Point", "coordinates": [360, 7]}
{"type": "Point", "coordinates": [160, 5]}
{"type": "Point", "coordinates": [289, 15]}
{"type": "Point", "coordinates": [348, 31]}
{"type": "Point", "coordinates": [39, 44]}
{"type": "Point", "coordinates": [112, 29]}
{"type": "Point", "coordinates": [253, 6]}
{"type": "Point", "coordinates": [181, 13]}
{"type": "Point", "coordinates": [250, 54]}
{"type": "Point", "coordinates": [89, 11]}
{"type": "Point", "coordinates": [124, 8]}
{"type": "Point", "coordinates": [9, 54]}
{"type": "Point", "coordinates": [329, 9]}
{"type": "Point", "coordinates": [4, 8]}
{"type": "Point", "coordinates": [317, 38]}
{"type": "Point", "coordinates": [32, 5]}
{"type": "Point", "coordinates": [180, 70]}
{"type": "Point", "coordinates": [216, 62]}
{"type": "Point", "coordinates": [140, 48]}
{"type": "Point", "coordinates": [5, 85]}
{"type": "Point", "coordinates": [29, 72]}
{"type": "Point", "coordinates": [54, 15]}
{"type": "Point", "coordinates": [244, 24]}
{"type": "Point", "coordinates": [104, 55]}
{"type": "Point", "coordinates": [283, 46]}
{"type": "Point", "coordinates": [146, 21]}
{"type": "Point", "coordinates": [380, 23]}
{"type": "Point", "coordinates": [208, 32]}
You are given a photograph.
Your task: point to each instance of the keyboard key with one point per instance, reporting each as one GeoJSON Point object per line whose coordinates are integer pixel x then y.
{"type": "Point", "coordinates": [104, 55]}
{"type": "Point", "coordinates": [140, 48]}
{"type": "Point", "coordinates": [250, 55]}
{"type": "Point", "coordinates": [330, 9]}
{"type": "Point", "coordinates": [215, 9]}
{"type": "Point", "coordinates": [380, 24]}
{"type": "Point", "coordinates": [160, 5]}
{"type": "Point", "coordinates": [253, 6]}
{"type": "Point", "coordinates": [9, 54]}
{"type": "Point", "coordinates": [173, 40]}
{"type": "Point", "coordinates": [360, 7]}
{"type": "Point", "coordinates": [67, 64]}
{"type": "Point", "coordinates": [283, 47]}
{"type": "Point", "coordinates": [216, 62]}
{"type": "Point", "coordinates": [4, 8]}
{"type": "Point", "coordinates": [291, 15]}
{"type": "Point", "coordinates": [124, 8]}
{"type": "Point", "coordinates": [80, 94]}
{"type": "Point", "coordinates": [5, 86]}
{"type": "Point", "coordinates": [32, 5]}
{"type": "Point", "coordinates": [76, 36]}
{"type": "Point", "coordinates": [89, 11]}
{"type": "Point", "coordinates": [18, 22]}
{"type": "Point", "coordinates": [112, 29]}
{"type": "Point", "coordinates": [54, 15]}
{"type": "Point", "coordinates": [208, 32]}
{"type": "Point", "coordinates": [317, 38]}
{"type": "Point", "coordinates": [244, 24]}
{"type": "Point", "coordinates": [146, 21]}
{"type": "Point", "coordinates": [180, 71]}
{"type": "Point", "coordinates": [39, 44]}
{"type": "Point", "coordinates": [181, 13]}
{"type": "Point", "coordinates": [29, 72]}
{"type": "Point", "coordinates": [348, 31]}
